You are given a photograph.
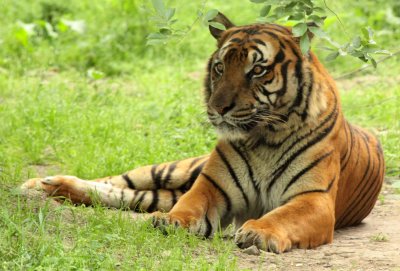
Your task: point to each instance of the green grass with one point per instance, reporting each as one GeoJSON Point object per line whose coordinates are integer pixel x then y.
{"type": "Point", "coordinates": [55, 119]}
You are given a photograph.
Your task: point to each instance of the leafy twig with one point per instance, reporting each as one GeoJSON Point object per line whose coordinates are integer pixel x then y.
{"type": "Point", "coordinates": [343, 76]}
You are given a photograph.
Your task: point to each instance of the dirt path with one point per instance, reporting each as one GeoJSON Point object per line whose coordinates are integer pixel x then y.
{"type": "Point", "coordinates": [374, 245]}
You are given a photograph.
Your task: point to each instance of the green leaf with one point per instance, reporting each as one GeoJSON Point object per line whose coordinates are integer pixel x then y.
{"type": "Point", "coordinates": [297, 16]}
{"type": "Point", "coordinates": [304, 44]}
{"type": "Point", "coordinates": [217, 25]}
{"type": "Point", "coordinates": [308, 3]}
{"type": "Point", "coordinates": [156, 41]}
{"type": "Point", "coordinates": [211, 14]}
{"type": "Point", "coordinates": [265, 10]}
{"type": "Point", "coordinates": [156, 36]}
{"type": "Point", "coordinates": [165, 31]}
{"type": "Point", "coordinates": [365, 33]}
{"type": "Point", "coordinates": [319, 9]}
{"type": "Point", "coordinates": [299, 29]}
{"type": "Point", "coordinates": [383, 52]}
{"type": "Point", "coordinates": [356, 42]}
{"type": "Point", "coordinates": [291, 5]}
{"type": "Point", "coordinates": [370, 33]}
{"type": "Point", "coordinates": [357, 54]}
{"type": "Point", "coordinates": [279, 11]}
{"type": "Point", "coordinates": [332, 56]}
{"type": "Point", "coordinates": [318, 32]}
{"type": "Point", "coordinates": [169, 13]}
{"type": "Point", "coordinates": [271, 18]}
{"type": "Point", "coordinates": [373, 62]}
{"type": "Point", "coordinates": [258, 1]}
{"type": "Point", "coordinates": [159, 6]}
{"type": "Point", "coordinates": [317, 19]}
{"type": "Point", "coordinates": [309, 11]}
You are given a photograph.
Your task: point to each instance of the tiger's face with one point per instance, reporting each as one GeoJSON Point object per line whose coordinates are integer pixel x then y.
{"type": "Point", "coordinates": [253, 79]}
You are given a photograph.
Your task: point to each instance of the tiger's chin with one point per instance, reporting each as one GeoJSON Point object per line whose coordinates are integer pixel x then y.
{"type": "Point", "coordinates": [229, 132]}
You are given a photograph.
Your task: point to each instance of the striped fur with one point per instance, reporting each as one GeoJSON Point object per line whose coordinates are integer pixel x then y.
{"type": "Point", "coordinates": [288, 168]}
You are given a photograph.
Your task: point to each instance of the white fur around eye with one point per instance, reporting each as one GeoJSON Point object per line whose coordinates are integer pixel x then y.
{"type": "Point", "coordinates": [261, 74]}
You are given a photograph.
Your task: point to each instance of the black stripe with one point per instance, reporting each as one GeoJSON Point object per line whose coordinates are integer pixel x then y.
{"type": "Point", "coordinates": [313, 191]}
{"type": "Point", "coordinates": [236, 40]}
{"type": "Point", "coordinates": [251, 30]}
{"type": "Point", "coordinates": [300, 85]}
{"type": "Point", "coordinates": [192, 178]}
{"type": "Point", "coordinates": [367, 205]}
{"type": "Point", "coordinates": [258, 41]}
{"type": "Point", "coordinates": [280, 29]}
{"type": "Point", "coordinates": [361, 213]}
{"type": "Point", "coordinates": [332, 114]}
{"type": "Point", "coordinates": [280, 56]}
{"type": "Point", "coordinates": [258, 99]}
{"type": "Point", "coordinates": [255, 48]}
{"type": "Point", "coordinates": [275, 36]}
{"type": "Point", "coordinates": [279, 171]}
{"type": "Point", "coordinates": [138, 203]}
{"type": "Point", "coordinates": [194, 161]}
{"type": "Point", "coordinates": [254, 57]}
{"type": "Point", "coordinates": [248, 166]}
{"type": "Point", "coordinates": [174, 199]}
{"type": "Point", "coordinates": [284, 69]}
{"type": "Point", "coordinates": [350, 149]}
{"type": "Point", "coordinates": [233, 175]}
{"type": "Point", "coordinates": [153, 206]}
{"type": "Point", "coordinates": [345, 127]}
{"type": "Point", "coordinates": [305, 170]}
{"type": "Point", "coordinates": [157, 176]}
{"type": "Point", "coordinates": [208, 227]}
{"type": "Point", "coordinates": [122, 196]}
{"type": "Point", "coordinates": [171, 169]}
{"type": "Point", "coordinates": [221, 191]}
{"type": "Point", "coordinates": [235, 32]}
{"type": "Point", "coordinates": [128, 181]}
{"type": "Point", "coordinates": [310, 88]}
{"type": "Point", "coordinates": [366, 195]}
{"type": "Point", "coordinates": [354, 198]}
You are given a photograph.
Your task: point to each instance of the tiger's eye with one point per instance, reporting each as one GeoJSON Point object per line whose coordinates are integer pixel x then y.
{"type": "Point", "coordinates": [258, 70]}
{"type": "Point", "coordinates": [219, 68]}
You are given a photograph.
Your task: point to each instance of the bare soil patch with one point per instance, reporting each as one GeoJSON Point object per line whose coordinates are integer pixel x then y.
{"type": "Point", "coordinates": [373, 245]}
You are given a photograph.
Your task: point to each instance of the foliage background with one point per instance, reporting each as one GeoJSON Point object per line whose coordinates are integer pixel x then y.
{"type": "Point", "coordinates": [81, 94]}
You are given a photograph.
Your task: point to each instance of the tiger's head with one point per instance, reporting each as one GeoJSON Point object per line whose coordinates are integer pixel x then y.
{"type": "Point", "coordinates": [256, 79]}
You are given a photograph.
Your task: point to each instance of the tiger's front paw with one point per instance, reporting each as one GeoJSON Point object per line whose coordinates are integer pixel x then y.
{"type": "Point", "coordinates": [264, 237]}
{"type": "Point", "coordinates": [198, 226]}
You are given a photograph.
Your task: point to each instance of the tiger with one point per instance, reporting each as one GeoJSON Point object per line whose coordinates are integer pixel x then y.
{"type": "Point", "coordinates": [288, 168]}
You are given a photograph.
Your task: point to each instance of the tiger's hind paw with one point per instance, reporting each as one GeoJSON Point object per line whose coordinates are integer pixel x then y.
{"type": "Point", "coordinates": [50, 184]}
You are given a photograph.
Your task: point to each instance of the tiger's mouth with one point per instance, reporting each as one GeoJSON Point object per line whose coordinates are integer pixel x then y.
{"type": "Point", "coordinates": [232, 126]}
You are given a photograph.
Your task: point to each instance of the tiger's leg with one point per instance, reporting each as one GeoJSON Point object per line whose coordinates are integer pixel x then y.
{"type": "Point", "coordinates": [306, 221]}
{"type": "Point", "coordinates": [156, 187]}
{"type": "Point", "coordinates": [217, 195]}
{"type": "Point", "coordinates": [201, 210]}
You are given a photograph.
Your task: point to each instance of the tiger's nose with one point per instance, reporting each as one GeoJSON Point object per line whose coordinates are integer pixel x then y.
{"type": "Point", "coordinates": [223, 108]}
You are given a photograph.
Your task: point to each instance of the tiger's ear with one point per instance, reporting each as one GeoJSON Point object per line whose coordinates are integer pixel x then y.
{"type": "Point", "coordinates": [222, 19]}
